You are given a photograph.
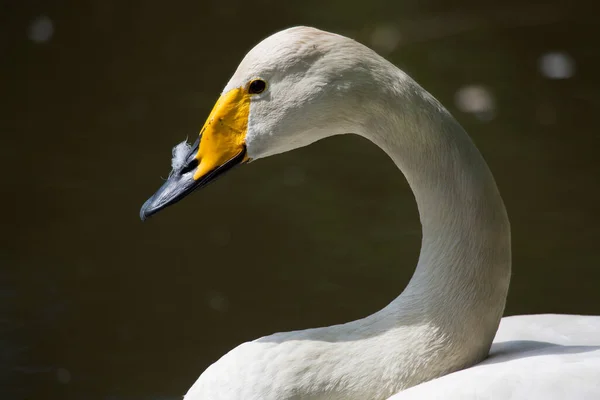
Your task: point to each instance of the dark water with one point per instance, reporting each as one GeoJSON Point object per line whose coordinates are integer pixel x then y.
{"type": "Point", "coordinates": [97, 305]}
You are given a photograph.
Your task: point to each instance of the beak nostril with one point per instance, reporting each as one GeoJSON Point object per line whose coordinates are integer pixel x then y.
{"type": "Point", "coordinates": [190, 166]}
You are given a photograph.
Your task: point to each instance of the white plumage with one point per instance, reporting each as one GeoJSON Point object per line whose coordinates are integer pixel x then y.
{"type": "Point", "coordinates": [532, 357]}
{"type": "Point", "coordinates": [319, 85]}
{"type": "Point", "coordinates": [180, 152]}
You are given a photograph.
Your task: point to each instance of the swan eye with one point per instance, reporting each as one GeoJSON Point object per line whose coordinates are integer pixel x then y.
{"type": "Point", "coordinates": [257, 86]}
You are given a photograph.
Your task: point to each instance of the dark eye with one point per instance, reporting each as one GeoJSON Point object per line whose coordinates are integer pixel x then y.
{"type": "Point", "coordinates": [257, 86]}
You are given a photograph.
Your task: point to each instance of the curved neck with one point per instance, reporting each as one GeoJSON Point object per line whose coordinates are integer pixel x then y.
{"type": "Point", "coordinates": [447, 316]}
{"type": "Point", "coordinates": [461, 281]}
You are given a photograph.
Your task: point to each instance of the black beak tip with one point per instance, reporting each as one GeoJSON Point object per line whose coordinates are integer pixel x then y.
{"type": "Point", "coordinates": [181, 183]}
{"type": "Point", "coordinates": [148, 209]}
{"type": "Point", "coordinates": [144, 211]}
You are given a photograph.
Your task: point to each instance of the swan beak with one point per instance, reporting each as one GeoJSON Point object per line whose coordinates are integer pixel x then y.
{"type": "Point", "coordinates": [219, 147]}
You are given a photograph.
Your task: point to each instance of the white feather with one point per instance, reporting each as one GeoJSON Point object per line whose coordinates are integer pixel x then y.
{"type": "Point", "coordinates": [180, 153]}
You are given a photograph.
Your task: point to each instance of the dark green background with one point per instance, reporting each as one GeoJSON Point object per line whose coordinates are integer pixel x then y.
{"type": "Point", "coordinates": [98, 305]}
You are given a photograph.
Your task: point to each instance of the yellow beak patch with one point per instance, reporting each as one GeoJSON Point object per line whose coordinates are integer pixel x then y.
{"type": "Point", "coordinates": [224, 132]}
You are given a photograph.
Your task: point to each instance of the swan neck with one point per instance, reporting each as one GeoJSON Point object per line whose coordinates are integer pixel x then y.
{"type": "Point", "coordinates": [461, 280]}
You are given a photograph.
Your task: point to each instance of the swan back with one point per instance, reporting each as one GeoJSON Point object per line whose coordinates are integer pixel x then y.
{"type": "Point", "coordinates": [536, 357]}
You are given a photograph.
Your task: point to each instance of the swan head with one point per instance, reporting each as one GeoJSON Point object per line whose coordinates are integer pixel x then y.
{"type": "Point", "coordinates": [285, 94]}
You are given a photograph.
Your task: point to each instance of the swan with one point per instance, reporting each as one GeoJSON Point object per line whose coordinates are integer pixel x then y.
{"type": "Point", "coordinates": [443, 336]}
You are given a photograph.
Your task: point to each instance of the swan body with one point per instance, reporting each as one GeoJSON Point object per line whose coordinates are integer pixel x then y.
{"type": "Point", "coordinates": [532, 357]}
{"type": "Point", "coordinates": [301, 85]}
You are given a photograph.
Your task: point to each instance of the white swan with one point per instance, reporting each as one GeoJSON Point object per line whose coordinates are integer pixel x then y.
{"type": "Point", "coordinates": [301, 85]}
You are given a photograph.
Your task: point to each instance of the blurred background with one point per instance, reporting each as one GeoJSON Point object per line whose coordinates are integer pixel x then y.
{"type": "Point", "coordinates": [96, 304]}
